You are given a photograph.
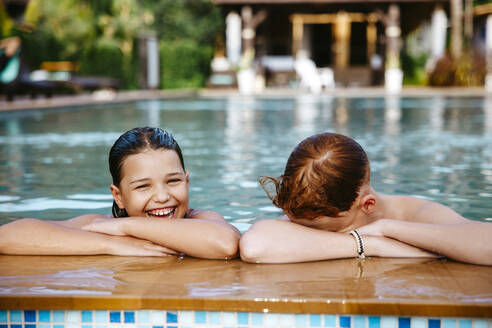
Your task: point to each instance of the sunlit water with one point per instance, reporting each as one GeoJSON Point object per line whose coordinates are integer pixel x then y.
{"type": "Point", "coordinates": [53, 163]}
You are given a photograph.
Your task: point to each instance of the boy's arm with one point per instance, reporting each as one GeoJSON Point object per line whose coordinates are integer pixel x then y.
{"type": "Point", "coordinates": [205, 235]}
{"type": "Point", "coordinates": [40, 237]}
{"type": "Point", "coordinates": [281, 241]}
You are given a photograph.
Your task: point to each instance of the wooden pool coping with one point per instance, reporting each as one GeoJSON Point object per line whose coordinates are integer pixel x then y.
{"type": "Point", "coordinates": [402, 287]}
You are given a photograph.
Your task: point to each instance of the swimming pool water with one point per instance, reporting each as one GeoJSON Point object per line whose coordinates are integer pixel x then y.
{"type": "Point", "coordinates": [53, 163]}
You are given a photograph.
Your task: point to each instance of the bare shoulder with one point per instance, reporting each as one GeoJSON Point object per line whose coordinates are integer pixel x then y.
{"type": "Point", "coordinates": [416, 209]}
{"type": "Point", "coordinates": [199, 214]}
{"type": "Point", "coordinates": [80, 221]}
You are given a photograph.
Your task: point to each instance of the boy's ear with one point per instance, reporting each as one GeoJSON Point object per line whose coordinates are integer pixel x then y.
{"type": "Point", "coordinates": [117, 196]}
{"type": "Point", "coordinates": [368, 203]}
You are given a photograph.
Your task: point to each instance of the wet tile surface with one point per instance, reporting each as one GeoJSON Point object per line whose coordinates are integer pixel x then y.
{"type": "Point", "coordinates": [374, 286]}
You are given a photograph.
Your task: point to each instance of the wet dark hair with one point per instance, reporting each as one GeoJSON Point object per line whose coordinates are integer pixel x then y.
{"type": "Point", "coordinates": [322, 177]}
{"type": "Point", "coordinates": [134, 142]}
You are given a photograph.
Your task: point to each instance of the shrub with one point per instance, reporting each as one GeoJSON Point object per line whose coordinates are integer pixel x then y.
{"type": "Point", "coordinates": [469, 70]}
{"type": "Point", "coordinates": [103, 59]}
{"type": "Point", "coordinates": [413, 67]}
{"type": "Point", "coordinates": [184, 64]}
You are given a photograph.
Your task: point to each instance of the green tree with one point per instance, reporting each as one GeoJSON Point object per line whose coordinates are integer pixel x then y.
{"type": "Point", "coordinates": [187, 30]}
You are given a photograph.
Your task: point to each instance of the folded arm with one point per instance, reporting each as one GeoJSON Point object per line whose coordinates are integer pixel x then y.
{"type": "Point", "coordinates": [466, 242]}
{"type": "Point", "coordinates": [206, 235]}
{"type": "Point", "coordinates": [40, 237]}
{"type": "Point", "coordinates": [280, 241]}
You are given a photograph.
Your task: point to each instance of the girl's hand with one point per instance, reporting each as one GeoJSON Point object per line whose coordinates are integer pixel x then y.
{"type": "Point", "coordinates": [375, 228]}
{"type": "Point", "coordinates": [129, 246]}
{"type": "Point", "coordinates": [107, 226]}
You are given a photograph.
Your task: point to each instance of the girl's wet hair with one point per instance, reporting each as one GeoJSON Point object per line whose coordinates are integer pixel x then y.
{"type": "Point", "coordinates": [322, 177]}
{"type": "Point", "coordinates": [133, 142]}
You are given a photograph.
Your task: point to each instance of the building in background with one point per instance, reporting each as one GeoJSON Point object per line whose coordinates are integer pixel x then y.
{"type": "Point", "coordinates": [360, 40]}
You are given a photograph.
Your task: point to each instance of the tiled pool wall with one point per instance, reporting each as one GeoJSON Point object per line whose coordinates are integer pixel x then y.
{"type": "Point", "coordinates": [183, 319]}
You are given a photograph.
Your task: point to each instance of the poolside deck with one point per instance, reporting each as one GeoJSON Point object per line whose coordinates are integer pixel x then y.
{"type": "Point", "coordinates": [410, 287]}
{"type": "Point", "coordinates": [106, 97]}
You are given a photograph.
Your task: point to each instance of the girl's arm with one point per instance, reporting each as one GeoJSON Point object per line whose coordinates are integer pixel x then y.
{"type": "Point", "coordinates": [468, 241]}
{"type": "Point", "coordinates": [206, 234]}
{"type": "Point", "coordinates": [281, 241]}
{"type": "Point", "coordinates": [40, 237]}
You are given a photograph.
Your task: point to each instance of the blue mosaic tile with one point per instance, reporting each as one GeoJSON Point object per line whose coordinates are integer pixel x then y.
{"type": "Point", "coordinates": [171, 317]}
{"type": "Point", "coordinates": [129, 316]}
{"type": "Point", "coordinates": [157, 318]}
{"type": "Point", "coordinates": [242, 318]}
{"type": "Point", "coordinates": [285, 319]}
{"type": "Point", "coordinates": [418, 322]}
{"type": "Point", "coordinates": [315, 320]}
{"type": "Point", "coordinates": [257, 319]}
{"type": "Point", "coordinates": [403, 322]}
{"type": "Point", "coordinates": [200, 317]}
{"type": "Point", "coordinates": [374, 322]}
{"type": "Point", "coordinates": [87, 316]}
{"type": "Point", "coordinates": [214, 318]}
{"type": "Point", "coordinates": [479, 323]}
{"type": "Point", "coordinates": [114, 316]}
{"type": "Point", "coordinates": [359, 321]}
{"type": "Point", "coordinates": [15, 316]}
{"type": "Point", "coordinates": [186, 318]}
{"type": "Point", "coordinates": [143, 316]}
{"type": "Point", "coordinates": [301, 320]}
{"type": "Point", "coordinates": [101, 316]}
{"type": "Point", "coordinates": [344, 322]}
{"type": "Point", "coordinates": [29, 316]}
{"type": "Point", "coordinates": [270, 319]}
{"type": "Point", "coordinates": [228, 318]}
{"type": "Point", "coordinates": [449, 323]}
{"type": "Point", "coordinates": [330, 320]}
{"type": "Point", "coordinates": [44, 316]}
{"type": "Point", "coordinates": [58, 316]}
{"type": "Point", "coordinates": [434, 323]}
{"type": "Point", "coordinates": [73, 316]}
{"type": "Point", "coordinates": [389, 322]}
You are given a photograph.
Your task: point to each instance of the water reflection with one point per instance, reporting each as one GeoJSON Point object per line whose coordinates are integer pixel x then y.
{"type": "Point", "coordinates": [392, 114]}
{"type": "Point", "coordinates": [376, 280]}
{"type": "Point", "coordinates": [436, 113]}
{"type": "Point", "coordinates": [487, 111]}
{"type": "Point", "coordinates": [341, 115]}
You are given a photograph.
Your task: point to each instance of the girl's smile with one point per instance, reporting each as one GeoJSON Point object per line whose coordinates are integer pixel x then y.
{"type": "Point", "coordinates": [153, 184]}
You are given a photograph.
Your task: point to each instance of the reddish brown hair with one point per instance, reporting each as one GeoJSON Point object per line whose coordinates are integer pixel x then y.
{"type": "Point", "coordinates": [322, 177]}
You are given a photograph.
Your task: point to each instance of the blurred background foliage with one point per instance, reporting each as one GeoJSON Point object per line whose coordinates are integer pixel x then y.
{"type": "Point", "coordinates": [101, 35]}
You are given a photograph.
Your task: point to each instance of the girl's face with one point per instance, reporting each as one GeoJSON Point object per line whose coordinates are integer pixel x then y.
{"type": "Point", "coordinates": [153, 184]}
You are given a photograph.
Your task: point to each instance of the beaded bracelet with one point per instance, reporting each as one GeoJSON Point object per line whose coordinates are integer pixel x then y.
{"type": "Point", "coordinates": [360, 244]}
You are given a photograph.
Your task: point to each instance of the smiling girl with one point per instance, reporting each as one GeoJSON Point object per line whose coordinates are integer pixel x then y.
{"type": "Point", "coordinates": [151, 216]}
